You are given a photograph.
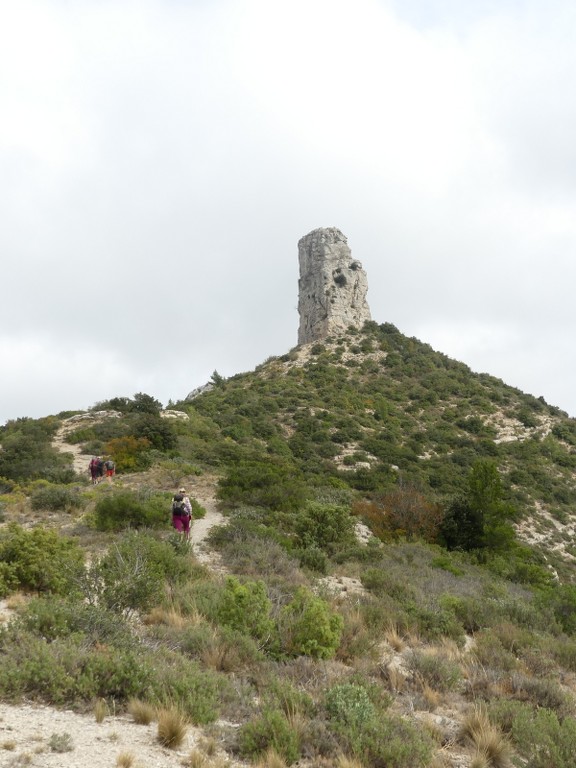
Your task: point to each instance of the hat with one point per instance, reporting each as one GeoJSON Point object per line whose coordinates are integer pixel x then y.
{"type": "Point", "coordinates": [181, 490]}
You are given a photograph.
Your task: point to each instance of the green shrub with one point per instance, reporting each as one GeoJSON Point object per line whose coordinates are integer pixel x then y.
{"type": "Point", "coordinates": [60, 742]}
{"type": "Point", "coordinates": [67, 670]}
{"type": "Point", "coordinates": [198, 511]}
{"type": "Point", "coordinates": [394, 743]}
{"type": "Point", "coordinates": [263, 481]}
{"type": "Point", "coordinates": [270, 730]}
{"type": "Point", "coordinates": [38, 560]}
{"type": "Point", "coordinates": [52, 617]}
{"type": "Point", "coordinates": [246, 608]}
{"type": "Point", "coordinates": [55, 497]}
{"type": "Point", "coordinates": [350, 705]}
{"type": "Point", "coordinates": [157, 431]}
{"type": "Point", "coordinates": [177, 681]}
{"type": "Point", "coordinates": [313, 558]}
{"type": "Point", "coordinates": [125, 509]}
{"type": "Point", "coordinates": [130, 454]}
{"type": "Point", "coordinates": [438, 672]}
{"type": "Point", "coordinates": [375, 739]}
{"type": "Point", "coordinates": [543, 739]}
{"type": "Point", "coordinates": [326, 526]}
{"type": "Point", "coordinates": [133, 574]}
{"type": "Point", "coordinates": [7, 485]}
{"type": "Point", "coordinates": [309, 627]}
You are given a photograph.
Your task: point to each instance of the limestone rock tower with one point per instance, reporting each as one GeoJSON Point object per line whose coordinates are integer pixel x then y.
{"type": "Point", "coordinates": [332, 286]}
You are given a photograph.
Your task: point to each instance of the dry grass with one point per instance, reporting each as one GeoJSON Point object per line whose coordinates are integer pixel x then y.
{"type": "Point", "coordinates": [476, 720]}
{"type": "Point", "coordinates": [394, 638]}
{"type": "Point", "coordinates": [271, 759]}
{"type": "Point", "coordinates": [8, 745]}
{"type": "Point", "coordinates": [125, 760]}
{"type": "Point", "coordinates": [196, 759]}
{"type": "Point", "coordinates": [431, 699]}
{"type": "Point", "coordinates": [394, 677]}
{"type": "Point", "coordinates": [172, 728]}
{"type": "Point", "coordinates": [16, 601]}
{"type": "Point", "coordinates": [169, 617]}
{"type": "Point", "coordinates": [208, 745]}
{"type": "Point", "coordinates": [222, 657]}
{"type": "Point", "coordinates": [142, 712]}
{"type": "Point", "coordinates": [451, 650]}
{"type": "Point", "coordinates": [441, 760]}
{"type": "Point", "coordinates": [491, 746]}
{"type": "Point", "coordinates": [343, 761]}
{"type": "Point", "coordinates": [100, 710]}
{"type": "Point", "coordinates": [480, 761]}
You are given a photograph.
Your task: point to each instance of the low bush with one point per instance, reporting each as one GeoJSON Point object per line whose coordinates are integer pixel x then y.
{"type": "Point", "coordinates": [309, 627]}
{"type": "Point", "coordinates": [270, 730]}
{"type": "Point", "coordinates": [130, 509]}
{"type": "Point", "coordinates": [327, 527]}
{"type": "Point", "coordinates": [437, 671]}
{"type": "Point", "coordinates": [177, 681]}
{"type": "Point", "coordinates": [543, 739]}
{"type": "Point", "coordinates": [130, 454]}
{"type": "Point", "coordinates": [38, 560]}
{"type": "Point", "coordinates": [134, 573]}
{"type": "Point", "coordinates": [53, 617]}
{"type": "Point", "coordinates": [313, 558]}
{"type": "Point", "coordinates": [55, 497]}
{"type": "Point", "coordinates": [349, 705]}
{"type": "Point", "coordinates": [246, 608]}
{"type": "Point", "coordinates": [67, 670]}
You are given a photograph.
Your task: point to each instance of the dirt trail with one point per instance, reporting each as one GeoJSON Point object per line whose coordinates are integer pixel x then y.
{"type": "Point", "coordinates": [202, 527]}
{"type": "Point", "coordinates": [80, 460]}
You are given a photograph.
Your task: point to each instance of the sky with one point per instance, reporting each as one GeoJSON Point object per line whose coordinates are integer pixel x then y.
{"type": "Point", "coordinates": [160, 160]}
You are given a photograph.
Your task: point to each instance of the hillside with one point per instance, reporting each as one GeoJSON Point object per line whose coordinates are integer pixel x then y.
{"type": "Point", "coordinates": [393, 585]}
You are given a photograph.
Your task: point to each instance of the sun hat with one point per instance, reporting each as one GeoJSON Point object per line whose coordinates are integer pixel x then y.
{"type": "Point", "coordinates": [181, 490]}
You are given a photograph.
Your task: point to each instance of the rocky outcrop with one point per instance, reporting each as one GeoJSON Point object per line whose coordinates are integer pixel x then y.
{"type": "Point", "coordinates": [174, 415]}
{"type": "Point", "coordinates": [199, 391]}
{"type": "Point", "coordinates": [332, 287]}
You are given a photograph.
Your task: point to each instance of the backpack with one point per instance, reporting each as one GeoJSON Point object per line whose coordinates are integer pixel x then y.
{"type": "Point", "coordinates": [178, 507]}
{"type": "Point", "coordinates": [109, 464]}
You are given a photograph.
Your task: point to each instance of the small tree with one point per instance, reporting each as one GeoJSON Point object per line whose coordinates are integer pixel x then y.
{"type": "Point", "coordinates": [479, 519]}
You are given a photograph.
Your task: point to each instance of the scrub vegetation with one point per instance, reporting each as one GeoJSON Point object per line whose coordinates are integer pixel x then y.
{"type": "Point", "coordinates": [458, 640]}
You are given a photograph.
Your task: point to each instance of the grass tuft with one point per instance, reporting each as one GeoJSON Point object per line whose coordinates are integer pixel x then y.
{"type": "Point", "coordinates": [100, 710]}
{"type": "Point", "coordinates": [172, 727]}
{"type": "Point", "coordinates": [271, 759]}
{"type": "Point", "coordinates": [491, 745]}
{"type": "Point", "coordinates": [125, 760]}
{"type": "Point", "coordinates": [142, 712]}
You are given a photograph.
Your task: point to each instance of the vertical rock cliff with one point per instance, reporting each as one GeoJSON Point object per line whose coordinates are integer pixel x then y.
{"type": "Point", "coordinates": [332, 287]}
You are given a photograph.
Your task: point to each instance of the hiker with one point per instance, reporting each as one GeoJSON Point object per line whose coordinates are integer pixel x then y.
{"type": "Point", "coordinates": [100, 468]}
{"type": "Point", "coordinates": [110, 468]}
{"type": "Point", "coordinates": [93, 467]}
{"type": "Point", "coordinates": [181, 513]}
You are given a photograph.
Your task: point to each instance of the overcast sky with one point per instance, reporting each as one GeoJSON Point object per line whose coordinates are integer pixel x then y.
{"type": "Point", "coordinates": [160, 160]}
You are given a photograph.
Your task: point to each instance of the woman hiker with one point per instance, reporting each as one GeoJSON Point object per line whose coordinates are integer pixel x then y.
{"type": "Point", "coordinates": [182, 513]}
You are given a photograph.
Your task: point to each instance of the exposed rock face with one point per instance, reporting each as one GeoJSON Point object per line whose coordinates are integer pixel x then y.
{"type": "Point", "coordinates": [332, 287]}
{"type": "Point", "coordinates": [199, 390]}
